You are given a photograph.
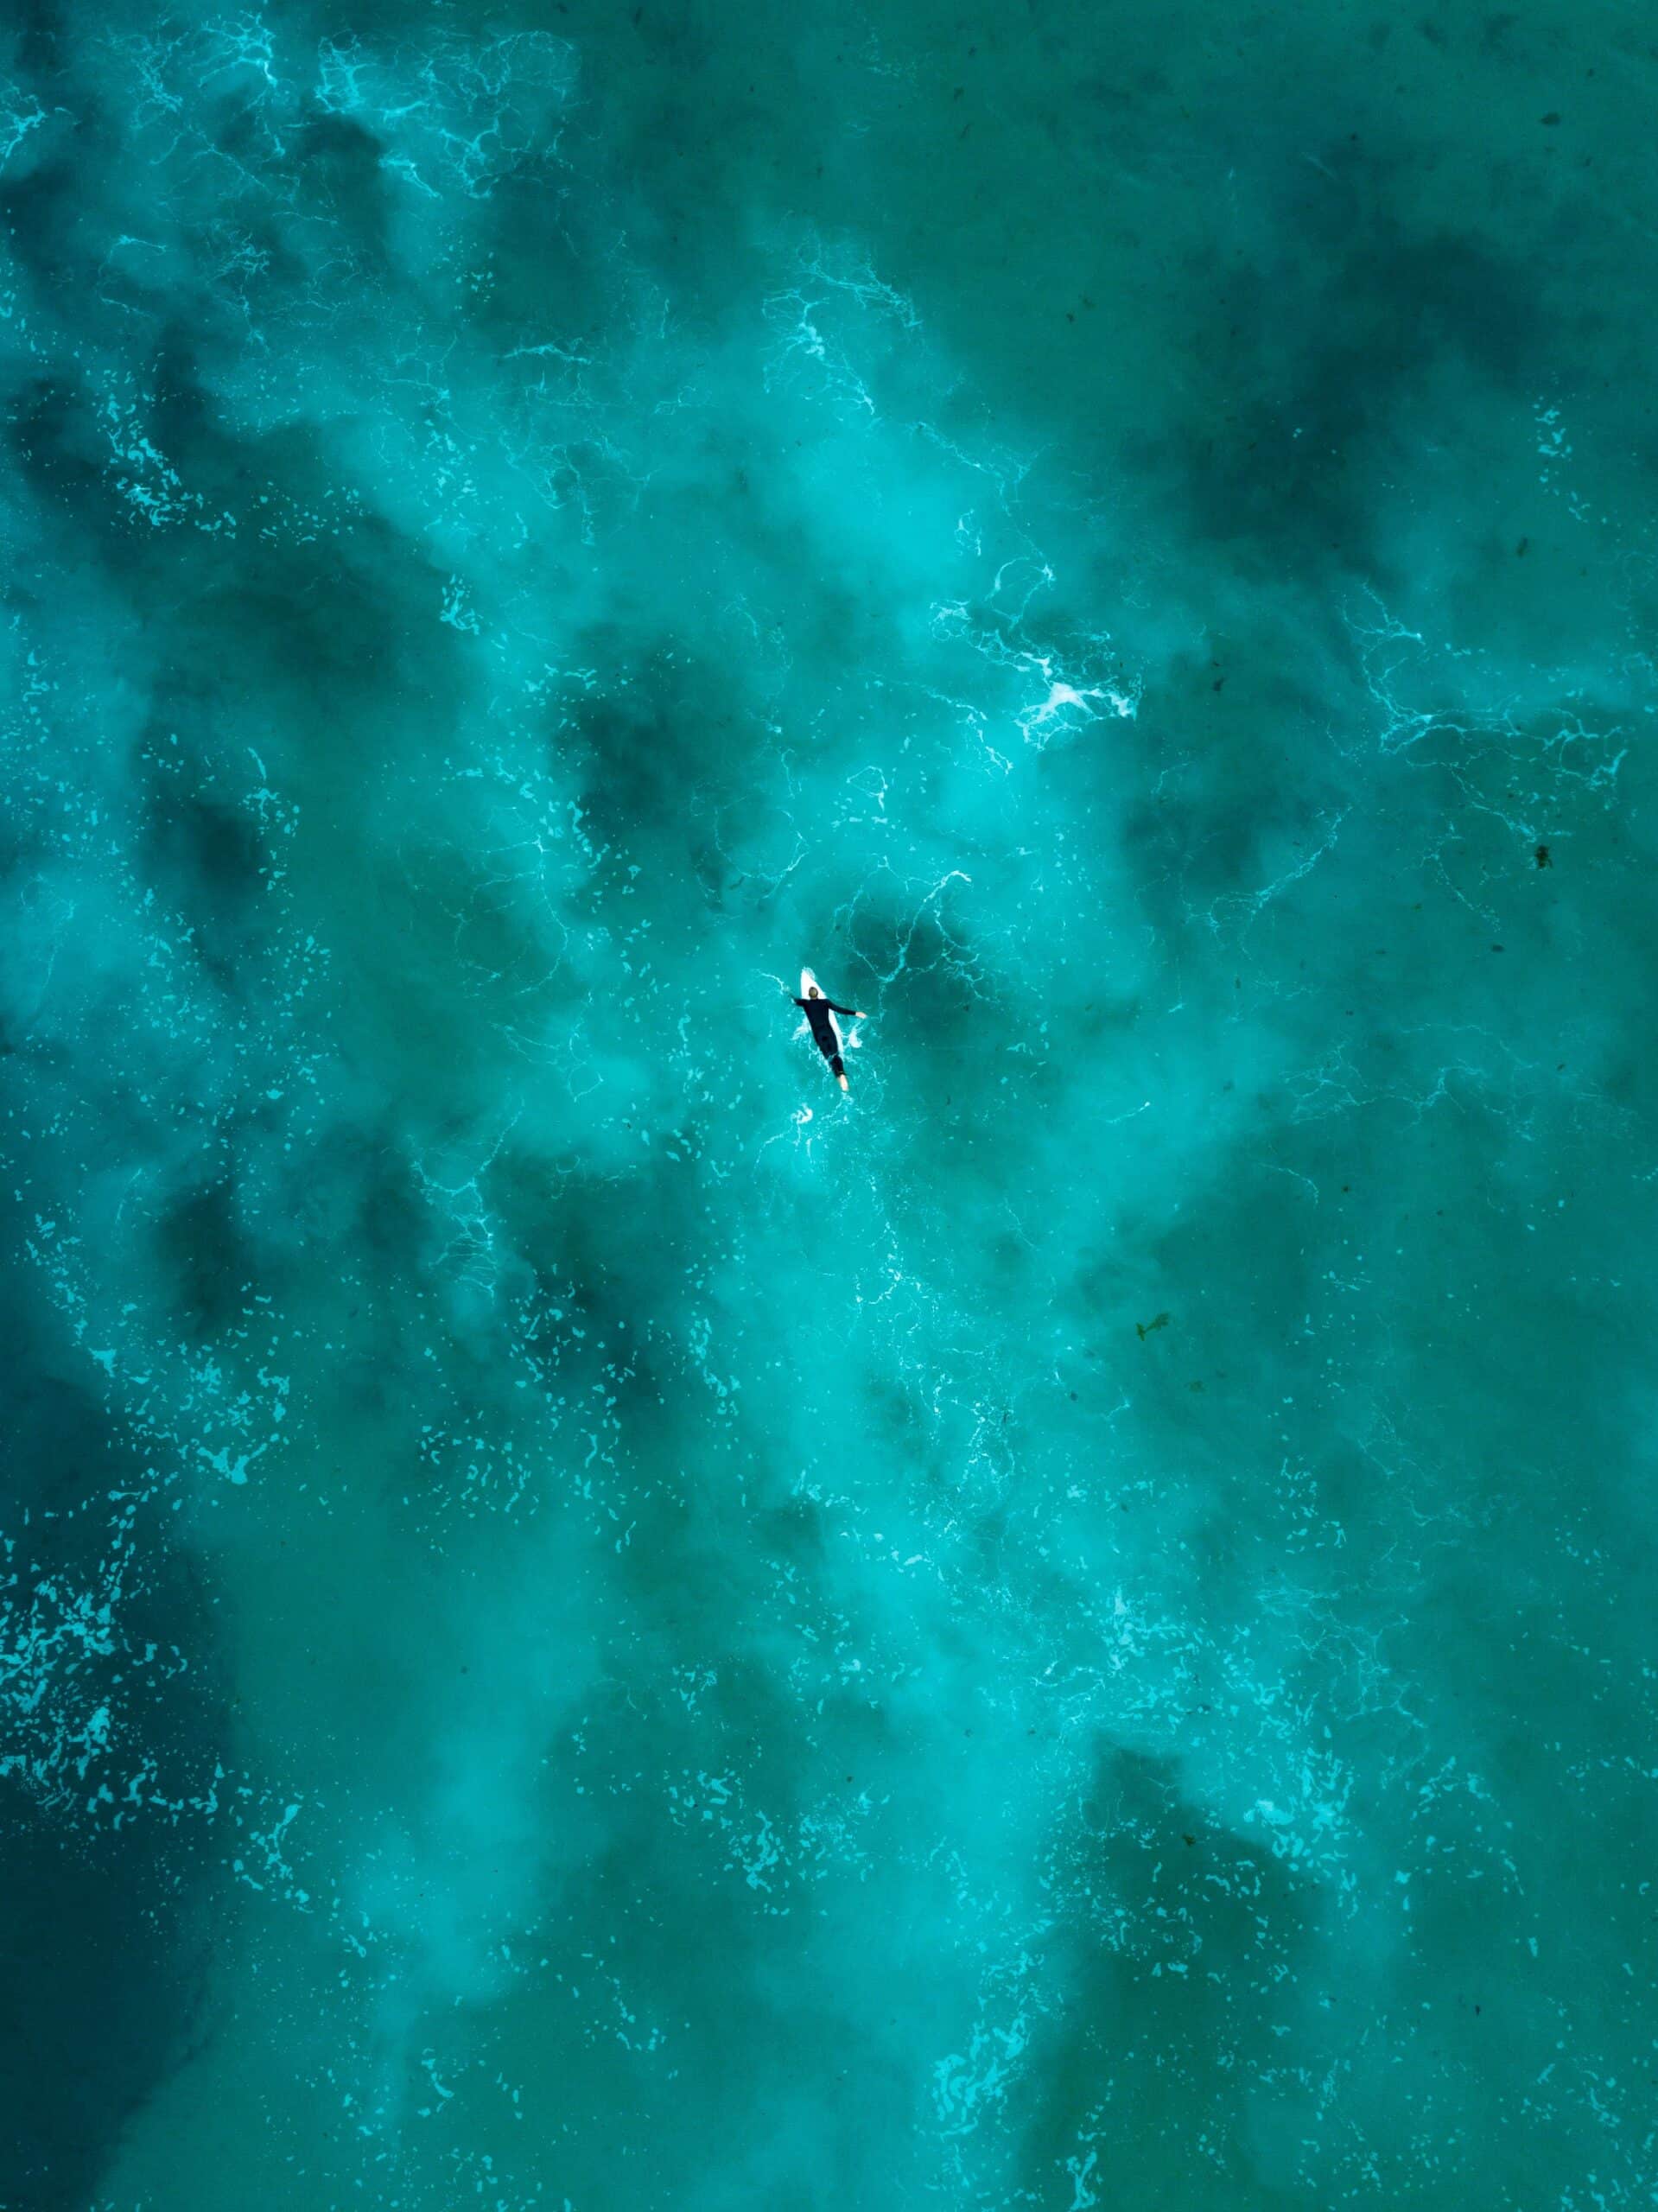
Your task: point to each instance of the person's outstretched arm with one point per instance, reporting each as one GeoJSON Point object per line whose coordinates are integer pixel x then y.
{"type": "Point", "coordinates": [851, 1011]}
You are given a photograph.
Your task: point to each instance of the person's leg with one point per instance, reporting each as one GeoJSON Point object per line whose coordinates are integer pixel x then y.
{"type": "Point", "coordinates": [837, 1070]}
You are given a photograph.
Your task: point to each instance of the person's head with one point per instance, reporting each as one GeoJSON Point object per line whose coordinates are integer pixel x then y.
{"type": "Point", "coordinates": [812, 991]}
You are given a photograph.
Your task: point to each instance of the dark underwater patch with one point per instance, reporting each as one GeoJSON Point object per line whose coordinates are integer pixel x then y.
{"type": "Point", "coordinates": [105, 1867]}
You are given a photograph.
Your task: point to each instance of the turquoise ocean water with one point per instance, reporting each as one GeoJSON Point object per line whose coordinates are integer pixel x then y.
{"type": "Point", "coordinates": [589, 1624]}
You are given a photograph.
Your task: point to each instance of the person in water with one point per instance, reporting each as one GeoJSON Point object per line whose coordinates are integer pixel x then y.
{"type": "Point", "coordinates": [817, 1010]}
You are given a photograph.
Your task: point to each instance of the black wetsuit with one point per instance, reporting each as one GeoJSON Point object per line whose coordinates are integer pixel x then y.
{"type": "Point", "coordinates": [817, 1012]}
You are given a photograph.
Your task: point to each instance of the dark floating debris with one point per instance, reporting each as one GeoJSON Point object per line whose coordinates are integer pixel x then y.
{"type": "Point", "coordinates": [1143, 1329]}
{"type": "Point", "coordinates": [1543, 860]}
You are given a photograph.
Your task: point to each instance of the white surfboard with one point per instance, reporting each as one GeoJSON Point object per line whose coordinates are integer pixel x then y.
{"type": "Point", "coordinates": [807, 980]}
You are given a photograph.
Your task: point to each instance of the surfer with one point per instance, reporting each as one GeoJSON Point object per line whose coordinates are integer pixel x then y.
{"type": "Point", "coordinates": [817, 1010]}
